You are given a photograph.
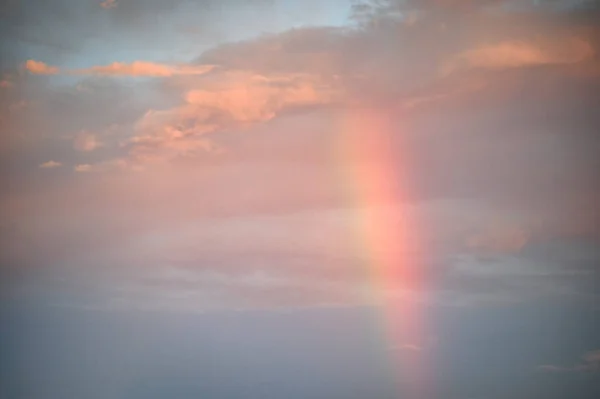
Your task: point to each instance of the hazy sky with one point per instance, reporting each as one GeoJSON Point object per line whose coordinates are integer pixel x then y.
{"type": "Point", "coordinates": [300, 198]}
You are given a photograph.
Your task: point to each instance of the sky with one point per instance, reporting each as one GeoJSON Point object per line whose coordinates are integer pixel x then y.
{"type": "Point", "coordinates": [299, 199]}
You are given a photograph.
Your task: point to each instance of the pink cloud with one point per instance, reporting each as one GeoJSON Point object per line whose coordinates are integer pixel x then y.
{"type": "Point", "coordinates": [233, 99]}
{"type": "Point", "coordinates": [252, 98]}
{"type": "Point", "coordinates": [86, 142]}
{"type": "Point", "coordinates": [283, 161]}
{"type": "Point", "coordinates": [512, 54]}
{"type": "Point", "coordinates": [40, 68]}
{"type": "Point", "coordinates": [134, 69]}
{"type": "Point", "coordinates": [145, 68]}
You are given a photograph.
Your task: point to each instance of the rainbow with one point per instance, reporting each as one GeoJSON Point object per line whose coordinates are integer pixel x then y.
{"type": "Point", "coordinates": [376, 174]}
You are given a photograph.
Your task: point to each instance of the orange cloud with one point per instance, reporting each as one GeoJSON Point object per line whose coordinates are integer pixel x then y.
{"type": "Point", "coordinates": [229, 100]}
{"type": "Point", "coordinates": [50, 165]}
{"type": "Point", "coordinates": [40, 68]}
{"type": "Point", "coordinates": [507, 55]}
{"type": "Point", "coordinates": [250, 98]}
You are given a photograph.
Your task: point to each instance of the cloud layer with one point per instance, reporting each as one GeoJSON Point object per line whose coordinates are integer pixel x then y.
{"type": "Point", "coordinates": [238, 179]}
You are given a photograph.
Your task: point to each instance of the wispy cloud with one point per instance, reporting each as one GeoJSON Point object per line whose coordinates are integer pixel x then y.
{"type": "Point", "coordinates": [590, 363]}
{"type": "Point", "coordinates": [550, 368]}
{"type": "Point", "coordinates": [50, 165]}
{"type": "Point", "coordinates": [507, 55]}
{"type": "Point", "coordinates": [83, 168]}
{"type": "Point", "coordinates": [104, 166]}
{"type": "Point", "coordinates": [133, 69]}
{"type": "Point", "coordinates": [144, 69]}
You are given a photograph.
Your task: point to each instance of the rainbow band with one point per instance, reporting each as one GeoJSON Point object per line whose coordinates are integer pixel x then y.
{"type": "Point", "coordinates": [370, 163]}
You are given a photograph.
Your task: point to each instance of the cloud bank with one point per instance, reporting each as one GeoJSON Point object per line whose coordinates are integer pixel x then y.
{"type": "Point", "coordinates": [236, 178]}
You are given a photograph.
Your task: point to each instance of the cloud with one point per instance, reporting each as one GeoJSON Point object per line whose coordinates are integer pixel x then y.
{"type": "Point", "coordinates": [229, 100]}
{"type": "Point", "coordinates": [86, 142]}
{"type": "Point", "coordinates": [507, 55]}
{"type": "Point", "coordinates": [257, 161]}
{"type": "Point", "coordinates": [105, 166]}
{"type": "Point", "coordinates": [591, 363]}
{"type": "Point", "coordinates": [550, 368]}
{"type": "Point", "coordinates": [252, 98]}
{"type": "Point", "coordinates": [83, 168]}
{"type": "Point", "coordinates": [40, 68]}
{"type": "Point", "coordinates": [109, 4]}
{"type": "Point", "coordinates": [144, 69]}
{"type": "Point", "coordinates": [133, 69]}
{"type": "Point", "coordinates": [50, 165]}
